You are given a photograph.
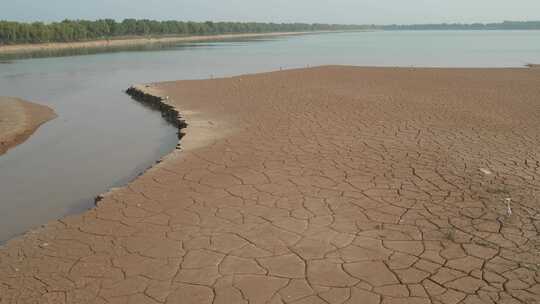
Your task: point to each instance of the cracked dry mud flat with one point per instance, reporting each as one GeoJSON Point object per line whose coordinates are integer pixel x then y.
{"type": "Point", "coordinates": [326, 185]}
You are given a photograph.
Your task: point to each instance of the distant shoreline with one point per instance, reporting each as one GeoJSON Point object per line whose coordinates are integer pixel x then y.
{"type": "Point", "coordinates": [18, 49]}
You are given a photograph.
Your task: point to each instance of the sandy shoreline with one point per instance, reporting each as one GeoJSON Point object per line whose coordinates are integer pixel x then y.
{"type": "Point", "coordinates": [31, 48]}
{"type": "Point", "coordinates": [323, 185]}
{"type": "Point", "coordinates": [19, 119]}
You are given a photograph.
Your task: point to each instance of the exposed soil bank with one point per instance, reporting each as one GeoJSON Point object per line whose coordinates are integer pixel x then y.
{"type": "Point", "coordinates": [115, 43]}
{"type": "Point", "coordinates": [325, 185]}
{"type": "Point", "coordinates": [19, 119]}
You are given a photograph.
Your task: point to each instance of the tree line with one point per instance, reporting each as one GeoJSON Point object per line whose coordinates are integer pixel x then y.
{"type": "Point", "coordinates": [506, 25]}
{"type": "Point", "coordinates": [84, 30]}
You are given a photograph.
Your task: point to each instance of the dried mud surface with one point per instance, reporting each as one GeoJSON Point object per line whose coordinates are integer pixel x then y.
{"type": "Point", "coordinates": [325, 185]}
{"type": "Point", "coordinates": [19, 119]}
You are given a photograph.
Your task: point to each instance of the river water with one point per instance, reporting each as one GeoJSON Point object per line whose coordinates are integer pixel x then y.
{"type": "Point", "coordinates": [102, 138]}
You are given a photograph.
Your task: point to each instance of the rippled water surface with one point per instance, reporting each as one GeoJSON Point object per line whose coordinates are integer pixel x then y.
{"type": "Point", "coordinates": [102, 138]}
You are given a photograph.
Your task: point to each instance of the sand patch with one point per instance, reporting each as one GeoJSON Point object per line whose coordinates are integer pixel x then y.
{"type": "Point", "coordinates": [19, 119]}
{"type": "Point", "coordinates": [202, 129]}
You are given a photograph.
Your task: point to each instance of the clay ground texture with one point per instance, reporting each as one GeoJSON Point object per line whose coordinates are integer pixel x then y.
{"type": "Point", "coordinates": [324, 185]}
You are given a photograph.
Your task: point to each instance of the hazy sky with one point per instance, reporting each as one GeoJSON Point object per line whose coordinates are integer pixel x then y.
{"type": "Point", "coordinates": [326, 11]}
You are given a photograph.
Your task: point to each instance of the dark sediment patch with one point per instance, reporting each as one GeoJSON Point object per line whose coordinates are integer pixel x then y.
{"type": "Point", "coordinates": [168, 112]}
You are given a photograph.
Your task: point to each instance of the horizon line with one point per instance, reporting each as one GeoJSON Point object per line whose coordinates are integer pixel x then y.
{"type": "Point", "coordinates": [274, 22]}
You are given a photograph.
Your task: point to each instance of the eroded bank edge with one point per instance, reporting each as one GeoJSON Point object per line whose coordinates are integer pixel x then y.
{"type": "Point", "coordinates": [168, 112]}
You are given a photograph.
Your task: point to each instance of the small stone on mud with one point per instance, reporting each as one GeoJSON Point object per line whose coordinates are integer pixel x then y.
{"type": "Point", "coordinates": [486, 171]}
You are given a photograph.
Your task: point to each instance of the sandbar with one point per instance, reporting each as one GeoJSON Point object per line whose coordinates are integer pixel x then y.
{"type": "Point", "coordinates": [19, 119]}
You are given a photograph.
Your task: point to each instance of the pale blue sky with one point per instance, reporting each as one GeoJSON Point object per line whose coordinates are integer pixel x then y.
{"type": "Point", "coordinates": [325, 11]}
